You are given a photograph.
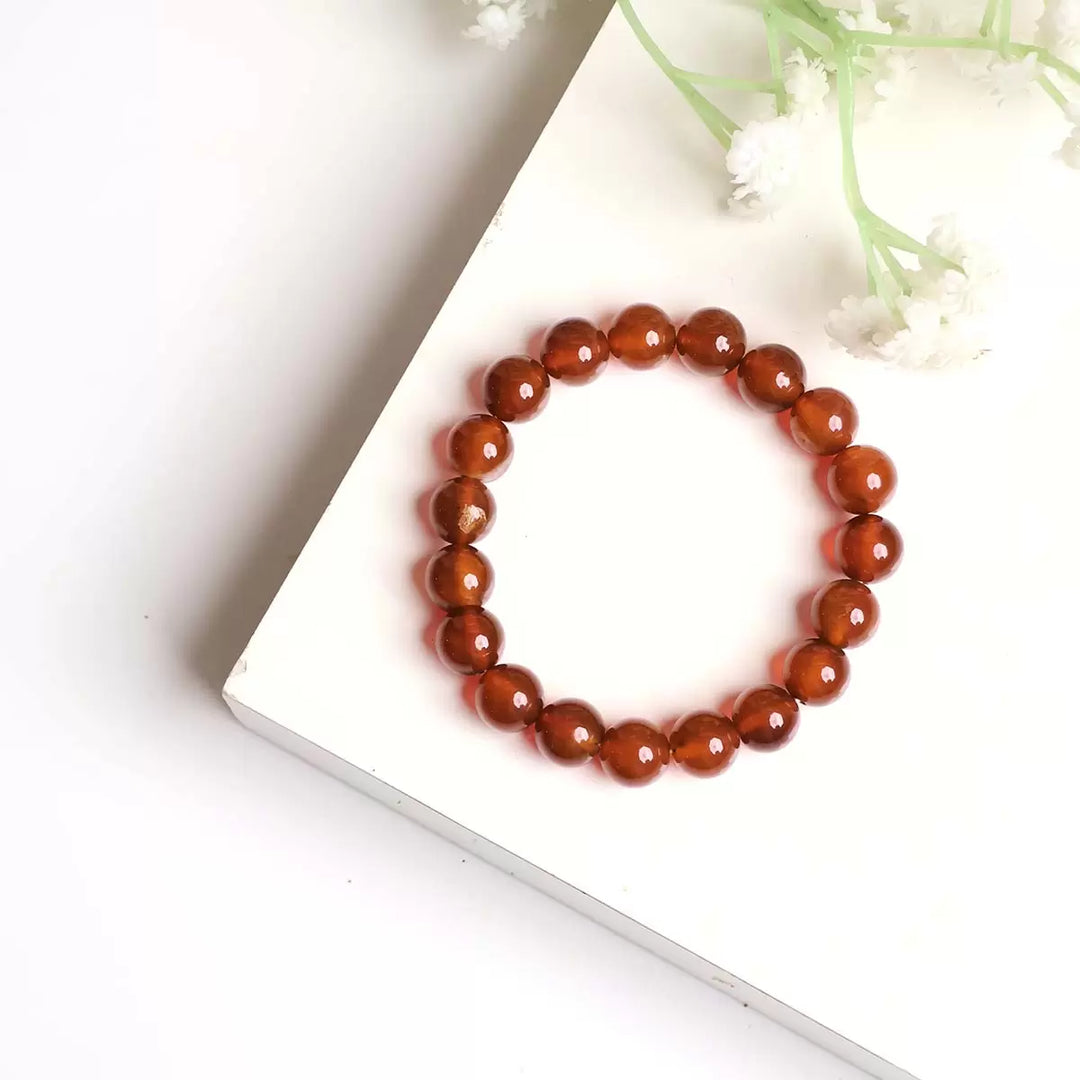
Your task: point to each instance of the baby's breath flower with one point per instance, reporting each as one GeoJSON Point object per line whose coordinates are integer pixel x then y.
{"type": "Point", "coordinates": [1010, 77]}
{"type": "Point", "coordinates": [498, 25]}
{"type": "Point", "coordinates": [763, 159]}
{"type": "Point", "coordinates": [866, 18]}
{"type": "Point", "coordinates": [807, 85]}
{"type": "Point", "coordinates": [1070, 148]}
{"type": "Point", "coordinates": [949, 18]}
{"type": "Point", "coordinates": [882, 77]}
{"type": "Point", "coordinates": [1059, 26]}
{"type": "Point", "coordinates": [935, 321]}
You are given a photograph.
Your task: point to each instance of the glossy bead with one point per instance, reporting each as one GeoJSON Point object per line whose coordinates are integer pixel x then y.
{"type": "Point", "coordinates": [516, 388]}
{"type": "Point", "coordinates": [704, 743]}
{"type": "Point", "coordinates": [642, 336]}
{"type": "Point", "coordinates": [575, 351]}
{"type": "Point", "coordinates": [508, 697]}
{"type": "Point", "coordinates": [462, 510]}
{"type": "Point", "coordinates": [816, 672]}
{"type": "Point", "coordinates": [771, 378]}
{"type": "Point", "coordinates": [569, 732]}
{"type": "Point", "coordinates": [469, 641]}
{"type": "Point", "coordinates": [459, 577]}
{"type": "Point", "coordinates": [823, 421]}
{"type": "Point", "coordinates": [634, 752]}
{"type": "Point", "coordinates": [861, 479]}
{"type": "Point", "coordinates": [868, 547]}
{"type": "Point", "coordinates": [480, 446]}
{"type": "Point", "coordinates": [712, 341]}
{"type": "Point", "coordinates": [844, 613]}
{"type": "Point", "coordinates": [766, 717]}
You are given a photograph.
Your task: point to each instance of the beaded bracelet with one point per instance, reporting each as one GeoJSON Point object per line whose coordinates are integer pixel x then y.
{"type": "Point", "coordinates": [844, 613]}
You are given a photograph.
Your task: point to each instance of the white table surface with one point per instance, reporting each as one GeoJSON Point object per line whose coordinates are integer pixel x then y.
{"type": "Point", "coordinates": [226, 226]}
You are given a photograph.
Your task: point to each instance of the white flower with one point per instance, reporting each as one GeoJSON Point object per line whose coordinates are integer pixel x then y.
{"type": "Point", "coordinates": [882, 76]}
{"type": "Point", "coordinates": [936, 322]}
{"type": "Point", "coordinates": [1059, 26]}
{"type": "Point", "coordinates": [1007, 78]}
{"type": "Point", "coordinates": [763, 158]}
{"type": "Point", "coordinates": [949, 18]}
{"type": "Point", "coordinates": [807, 85]}
{"type": "Point", "coordinates": [1070, 148]}
{"type": "Point", "coordinates": [918, 335]}
{"type": "Point", "coordinates": [866, 18]}
{"type": "Point", "coordinates": [967, 290]}
{"type": "Point", "coordinates": [496, 25]}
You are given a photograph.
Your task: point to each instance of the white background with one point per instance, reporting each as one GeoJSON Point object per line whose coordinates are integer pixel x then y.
{"type": "Point", "coordinates": [225, 226]}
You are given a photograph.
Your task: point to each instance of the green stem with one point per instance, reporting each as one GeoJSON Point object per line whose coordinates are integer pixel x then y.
{"type": "Point", "coordinates": [1005, 27]}
{"type": "Point", "coordinates": [1056, 95]}
{"type": "Point", "coordinates": [988, 18]}
{"type": "Point", "coordinates": [773, 39]}
{"type": "Point", "coordinates": [916, 41]}
{"type": "Point", "coordinates": [892, 264]}
{"type": "Point", "coordinates": [816, 19]}
{"type": "Point", "coordinates": [718, 122]}
{"type": "Point", "coordinates": [845, 90]}
{"type": "Point", "coordinates": [752, 86]}
{"type": "Point", "coordinates": [902, 242]}
{"type": "Point", "coordinates": [798, 29]}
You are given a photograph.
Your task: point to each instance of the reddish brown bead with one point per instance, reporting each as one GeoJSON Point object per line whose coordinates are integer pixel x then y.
{"type": "Point", "coordinates": [862, 479]}
{"type": "Point", "coordinates": [508, 697]}
{"type": "Point", "coordinates": [868, 547]}
{"type": "Point", "coordinates": [480, 446]}
{"type": "Point", "coordinates": [459, 577]}
{"type": "Point", "coordinates": [569, 732]}
{"type": "Point", "coordinates": [823, 421]}
{"type": "Point", "coordinates": [575, 351]}
{"type": "Point", "coordinates": [816, 672]}
{"type": "Point", "coordinates": [704, 743]}
{"type": "Point", "coordinates": [462, 510]}
{"type": "Point", "coordinates": [766, 717]}
{"type": "Point", "coordinates": [771, 378]}
{"type": "Point", "coordinates": [844, 613]}
{"type": "Point", "coordinates": [634, 752]}
{"type": "Point", "coordinates": [516, 388]}
{"type": "Point", "coordinates": [712, 341]}
{"type": "Point", "coordinates": [469, 641]}
{"type": "Point", "coordinates": [642, 336]}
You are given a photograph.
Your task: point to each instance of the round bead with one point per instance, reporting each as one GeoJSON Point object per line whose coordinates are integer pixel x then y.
{"type": "Point", "coordinates": [766, 717]}
{"type": "Point", "coordinates": [575, 351]}
{"type": "Point", "coordinates": [508, 697]}
{"type": "Point", "coordinates": [462, 510]}
{"type": "Point", "coordinates": [771, 378]}
{"type": "Point", "coordinates": [469, 641]}
{"type": "Point", "coordinates": [642, 336]}
{"type": "Point", "coordinates": [516, 388]}
{"type": "Point", "coordinates": [816, 672]}
{"type": "Point", "coordinates": [704, 743]}
{"type": "Point", "coordinates": [480, 446]}
{"type": "Point", "coordinates": [459, 577]}
{"type": "Point", "coordinates": [712, 341]}
{"type": "Point", "coordinates": [844, 613]}
{"type": "Point", "coordinates": [634, 752]}
{"type": "Point", "coordinates": [569, 732]}
{"type": "Point", "coordinates": [823, 421]}
{"type": "Point", "coordinates": [862, 479]}
{"type": "Point", "coordinates": [868, 547]}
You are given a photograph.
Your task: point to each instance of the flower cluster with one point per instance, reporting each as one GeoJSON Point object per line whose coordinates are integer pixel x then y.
{"type": "Point", "coordinates": [499, 22]}
{"type": "Point", "coordinates": [925, 316]}
{"type": "Point", "coordinates": [860, 51]}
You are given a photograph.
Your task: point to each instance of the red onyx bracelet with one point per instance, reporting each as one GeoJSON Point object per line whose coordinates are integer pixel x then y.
{"type": "Point", "coordinates": [844, 612]}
